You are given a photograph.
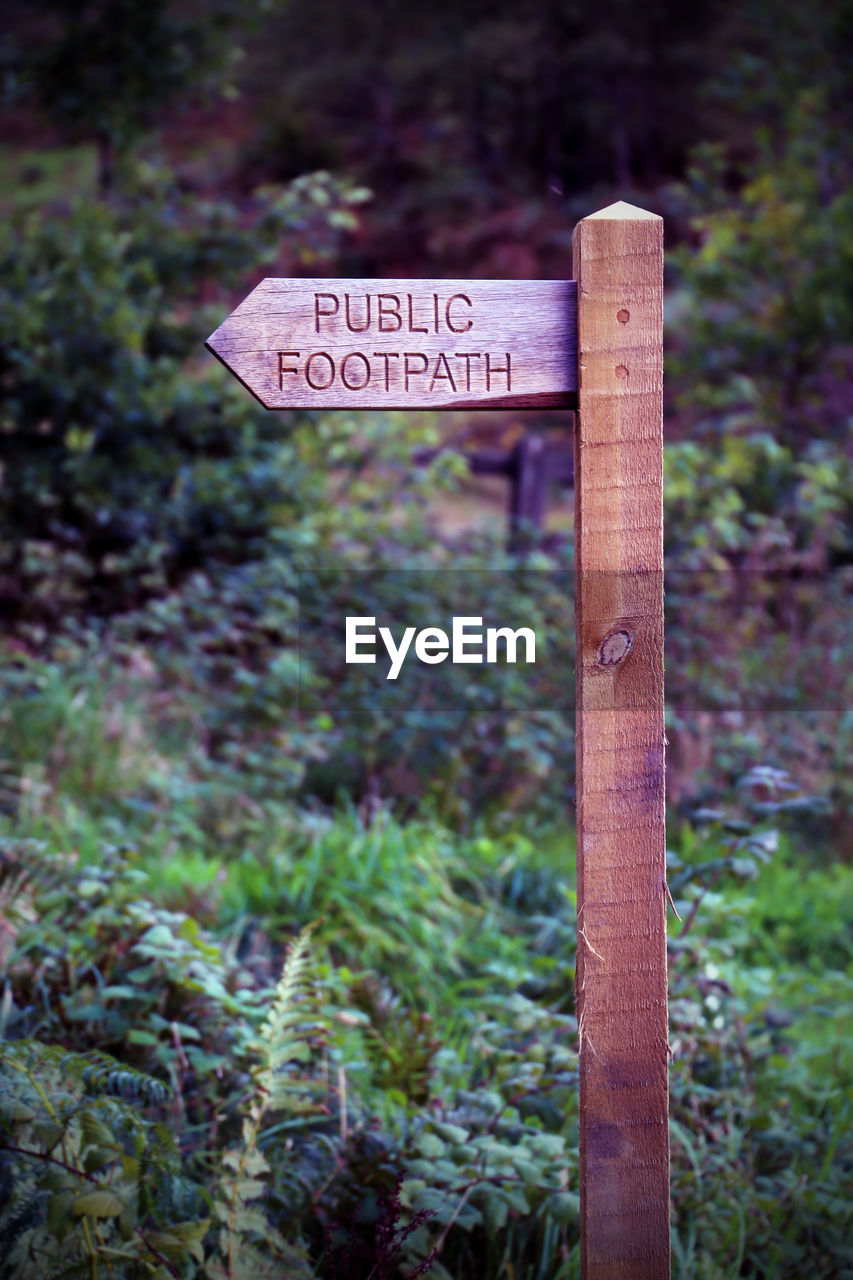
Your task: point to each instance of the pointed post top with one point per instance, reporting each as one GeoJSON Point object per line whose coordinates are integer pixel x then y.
{"type": "Point", "coordinates": [622, 211]}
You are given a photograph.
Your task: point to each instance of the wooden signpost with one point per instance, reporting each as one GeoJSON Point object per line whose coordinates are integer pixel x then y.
{"type": "Point", "coordinates": [594, 344]}
{"type": "Point", "coordinates": [406, 344]}
{"type": "Point", "coordinates": [621, 957]}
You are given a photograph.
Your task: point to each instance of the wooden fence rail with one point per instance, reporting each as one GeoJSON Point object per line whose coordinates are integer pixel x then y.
{"type": "Point", "coordinates": [530, 466]}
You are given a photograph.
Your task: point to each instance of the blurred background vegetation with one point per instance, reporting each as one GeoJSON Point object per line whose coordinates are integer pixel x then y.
{"type": "Point", "coordinates": [190, 781]}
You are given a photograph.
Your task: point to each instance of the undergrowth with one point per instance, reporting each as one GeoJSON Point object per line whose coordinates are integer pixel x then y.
{"type": "Point", "coordinates": [300, 1073]}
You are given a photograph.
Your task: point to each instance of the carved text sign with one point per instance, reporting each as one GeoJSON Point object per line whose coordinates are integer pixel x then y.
{"type": "Point", "coordinates": [377, 344]}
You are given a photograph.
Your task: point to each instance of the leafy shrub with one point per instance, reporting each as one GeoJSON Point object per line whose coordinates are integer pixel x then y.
{"type": "Point", "coordinates": [759, 1117]}
{"type": "Point", "coordinates": [127, 462]}
{"type": "Point", "coordinates": [448, 1140]}
{"type": "Point", "coordinates": [94, 964]}
{"type": "Point", "coordinates": [497, 1161]}
{"type": "Point", "coordinates": [770, 285]}
{"type": "Point", "coordinates": [759, 502]}
{"type": "Point", "coordinates": [90, 1175]}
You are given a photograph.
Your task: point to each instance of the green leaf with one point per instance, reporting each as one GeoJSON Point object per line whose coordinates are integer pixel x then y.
{"type": "Point", "coordinates": [137, 1036]}
{"type": "Point", "coordinates": [550, 1146]}
{"type": "Point", "coordinates": [127, 1223]}
{"type": "Point", "coordinates": [15, 1111]}
{"type": "Point", "coordinates": [181, 1237]}
{"type": "Point", "coordinates": [528, 1172]}
{"type": "Point", "coordinates": [517, 1200]}
{"type": "Point", "coordinates": [54, 1179]}
{"type": "Point", "coordinates": [494, 1211]}
{"type": "Point", "coordinates": [96, 1157]}
{"type": "Point", "coordinates": [95, 1131]}
{"type": "Point", "coordinates": [48, 1132]}
{"type": "Point", "coordinates": [88, 888]}
{"type": "Point", "coordinates": [451, 1132]}
{"type": "Point", "coordinates": [430, 1145]}
{"type": "Point", "coordinates": [59, 1214]}
{"type": "Point", "coordinates": [565, 1207]}
{"type": "Point", "coordinates": [98, 1204]}
{"type": "Point", "coordinates": [159, 935]}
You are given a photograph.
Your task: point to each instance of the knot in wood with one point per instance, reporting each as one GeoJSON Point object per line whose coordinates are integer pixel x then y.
{"type": "Point", "coordinates": [615, 647]}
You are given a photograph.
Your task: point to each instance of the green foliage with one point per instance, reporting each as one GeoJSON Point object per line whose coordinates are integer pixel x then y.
{"type": "Point", "coordinates": [760, 1078]}
{"type": "Point", "coordinates": [772, 51]}
{"type": "Point", "coordinates": [125, 466]}
{"type": "Point", "coordinates": [754, 1100]}
{"type": "Point", "coordinates": [496, 1163]}
{"type": "Point", "coordinates": [763, 488]}
{"type": "Point", "coordinates": [776, 919]}
{"type": "Point", "coordinates": [758, 489]}
{"type": "Point", "coordinates": [404, 899]}
{"type": "Point", "coordinates": [403, 1100]}
{"type": "Point", "coordinates": [68, 735]}
{"type": "Point", "coordinates": [400, 1043]}
{"type": "Point", "coordinates": [235, 685]}
{"type": "Point", "coordinates": [32, 180]}
{"type": "Point", "coordinates": [770, 284]}
{"type": "Point", "coordinates": [94, 963]}
{"type": "Point", "coordinates": [329, 1117]}
{"type": "Point", "coordinates": [93, 1180]}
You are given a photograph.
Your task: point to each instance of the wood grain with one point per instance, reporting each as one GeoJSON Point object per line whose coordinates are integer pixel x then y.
{"type": "Point", "coordinates": [384, 344]}
{"type": "Point", "coordinates": [621, 956]}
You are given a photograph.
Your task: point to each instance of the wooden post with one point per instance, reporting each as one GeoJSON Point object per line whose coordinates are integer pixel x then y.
{"type": "Point", "coordinates": [528, 489]}
{"type": "Point", "coordinates": [621, 956]}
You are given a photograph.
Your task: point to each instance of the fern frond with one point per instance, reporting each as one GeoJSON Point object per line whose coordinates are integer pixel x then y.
{"type": "Point", "coordinates": [97, 1073]}
{"type": "Point", "coordinates": [285, 1037]}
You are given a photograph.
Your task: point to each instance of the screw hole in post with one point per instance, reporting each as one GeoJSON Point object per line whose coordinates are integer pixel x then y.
{"type": "Point", "coordinates": [621, 371]}
{"type": "Point", "coordinates": [623, 316]}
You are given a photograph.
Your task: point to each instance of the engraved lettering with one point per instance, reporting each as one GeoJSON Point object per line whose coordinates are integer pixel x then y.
{"type": "Point", "coordinates": [413, 328]}
{"type": "Point", "coordinates": [362, 327]}
{"type": "Point", "coordinates": [358, 370]}
{"type": "Point", "coordinates": [318, 313]}
{"type": "Point", "coordinates": [467, 356]}
{"type": "Point", "coordinates": [319, 355]}
{"type": "Point", "coordinates": [497, 369]}
{"type": "Point", "coordinates": [435, 310]}
{"type": "Point", "coordinates": [409, 371]}
{"type": "Point", "coordinates": [440, 363]}
{"type": "Point", "coordinates": [387, 356]}
{"type": "Point", "coordinates": [355, 386]}
{"type": "Point", "coordinates": [458, 297]}
{"type": "Point", "coordinates": [286, 368]}
{"type": "Point", "coordinates": [389, 313]}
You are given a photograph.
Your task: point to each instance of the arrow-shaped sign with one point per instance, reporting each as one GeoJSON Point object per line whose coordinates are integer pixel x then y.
{"type": "Point", "coordinates": [413, 344]}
